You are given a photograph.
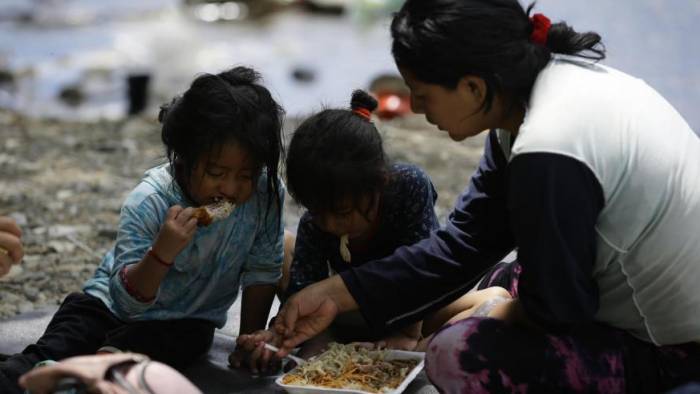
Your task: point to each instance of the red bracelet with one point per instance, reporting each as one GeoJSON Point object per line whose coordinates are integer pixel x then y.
{"type": "Point", "coordinates": [158, 259]}
{"type": "Point", "coordinates": [130, 289]}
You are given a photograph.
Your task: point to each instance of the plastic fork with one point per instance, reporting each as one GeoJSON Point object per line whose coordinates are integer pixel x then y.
{"type": "Point", "coordinates": [275, 349]}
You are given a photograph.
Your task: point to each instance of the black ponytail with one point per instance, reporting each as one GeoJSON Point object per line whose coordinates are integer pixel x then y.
{"type": "Point", "coordinates": [441, 41]}
{"type": "Point", "coordinates": [362, 99]}
{"type": "Point", "coordinates": [563, 39]}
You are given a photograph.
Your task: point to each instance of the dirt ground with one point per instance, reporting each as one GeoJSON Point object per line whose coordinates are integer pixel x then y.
{"type": "Point", "coordinates": [64, 182]}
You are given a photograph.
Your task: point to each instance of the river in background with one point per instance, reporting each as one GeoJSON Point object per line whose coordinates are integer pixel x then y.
{"type": "Point", "coordinates": [71, 58]}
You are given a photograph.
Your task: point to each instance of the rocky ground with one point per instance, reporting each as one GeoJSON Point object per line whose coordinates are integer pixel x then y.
{"type": "Point", "coordinates": [64, 182]}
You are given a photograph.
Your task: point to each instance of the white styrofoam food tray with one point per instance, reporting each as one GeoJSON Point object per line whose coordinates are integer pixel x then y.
{"type": "Point", "coordinates": [391, 355]}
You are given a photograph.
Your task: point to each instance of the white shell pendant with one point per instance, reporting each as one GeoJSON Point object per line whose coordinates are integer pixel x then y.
{"type": "Point", "coordinates": [344, 251]}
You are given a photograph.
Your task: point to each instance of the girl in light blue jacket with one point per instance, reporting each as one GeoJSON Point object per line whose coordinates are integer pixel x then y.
{"type": "Point", "coordinates": [168, 283]}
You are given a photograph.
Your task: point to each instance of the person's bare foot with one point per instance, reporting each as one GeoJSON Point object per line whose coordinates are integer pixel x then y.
{"type": "Point", "coordinates": [423, 344]}
{"type": "Point", "coordinates": [399, 341]}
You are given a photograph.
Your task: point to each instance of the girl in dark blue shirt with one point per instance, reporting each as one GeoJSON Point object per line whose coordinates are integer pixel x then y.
{"type": "Point", "coordinates": [359, 208]}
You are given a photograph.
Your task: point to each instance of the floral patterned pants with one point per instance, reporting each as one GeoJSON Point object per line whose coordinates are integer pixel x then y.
{"type": "Point", "coordinates": [483, 355]}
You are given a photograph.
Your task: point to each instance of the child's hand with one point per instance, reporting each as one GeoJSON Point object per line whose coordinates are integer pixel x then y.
{"type": "Point", "coordinates": [177, 231]}
{"type": "Point", "coordinates": [251, 353]}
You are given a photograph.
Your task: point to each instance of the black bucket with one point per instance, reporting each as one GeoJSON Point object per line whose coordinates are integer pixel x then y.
{"type": "Point", "coordinates": [137, 92]}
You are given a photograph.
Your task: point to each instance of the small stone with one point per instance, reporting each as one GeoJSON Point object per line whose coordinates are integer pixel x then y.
{"type": "Point", "coordinates": [64, 194]}
{"type": "Point", "coordinates": [61, 230]}
{"type": "Point", "coordinates": [303, 74]}
{"type": "Point", "coordinates": [15, 271]}
{"type": "Point", "coordinates": [32, 293]}
{"type": "Point", "coordinates": [25, 307]}
{"type": "Point", "coordinates": [19, 217]}
{"type": "Point", "coordinates": [61, 246]}
{"type": "Point", "coordinates": [10, 298]}
{"type": "Point", "coordinates": [41, 298]}
{"type": "Point", "coordinates": [8, 310]}
{"type": "Point", "coordinates": [31, 262]}
{"type": "Point", "coordinates": [12, 143]}
{"type": "Point", "coordinates": [55, 205]}
{"type": "Point", "coordinates": [130, 146]}
{"type": "Point", "coordinates": [72, 268]}
{"type": "Point", "coordinates": [110, 233]}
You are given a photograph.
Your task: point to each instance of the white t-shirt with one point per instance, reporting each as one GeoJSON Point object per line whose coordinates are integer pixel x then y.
{"type": "Point", "coordinates": [647, 161]}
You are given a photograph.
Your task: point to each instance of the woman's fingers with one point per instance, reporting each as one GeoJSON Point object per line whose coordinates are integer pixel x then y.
{"type": "Point", "coordinates": [290, 313]}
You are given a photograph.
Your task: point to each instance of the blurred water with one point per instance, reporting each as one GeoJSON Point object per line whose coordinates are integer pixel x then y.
{"type": "Point", "coordinates": [334, 54]}
{"type": "Point", "coordinates": [652, 39]}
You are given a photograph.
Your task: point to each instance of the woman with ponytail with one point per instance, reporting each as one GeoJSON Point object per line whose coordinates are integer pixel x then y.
{"type": "Point", "coordinates": [171, 278]}
{"type": "Point", "coordinates": [588, 173]}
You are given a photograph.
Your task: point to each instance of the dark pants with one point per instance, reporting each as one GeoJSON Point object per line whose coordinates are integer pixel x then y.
{"type": "Point", "coordinates": [503, 275]}
{"type": "Point", "coordinates": [83, 324]}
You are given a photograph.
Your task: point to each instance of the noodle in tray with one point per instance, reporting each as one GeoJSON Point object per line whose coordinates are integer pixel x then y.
{"type": "Point", "coordinates": [351, 367]}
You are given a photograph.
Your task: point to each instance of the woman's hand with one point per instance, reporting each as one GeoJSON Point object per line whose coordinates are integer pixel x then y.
{"type": "Point", "coordinates": [302, 317]}
{"type": "Point", "coordinates": [250, 352]}
{"type": "Point", "coordinates": [177, 231]}
{"type": "Point", "coordinates": [11, 251]}
{"type": "Point", "coordinates": [310, 311]}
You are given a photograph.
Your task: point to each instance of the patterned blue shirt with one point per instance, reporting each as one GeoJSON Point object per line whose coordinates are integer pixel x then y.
{"type": "Point", "coordinates": [406, 216]}
{"type": "Point", "coordinates": [242, 250]}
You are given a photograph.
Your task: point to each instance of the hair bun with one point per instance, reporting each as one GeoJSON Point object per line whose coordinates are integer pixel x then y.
{"type": "Point", "coordinates": [362, 99]}
{"type": "Point", "coordinates": [240, 76]}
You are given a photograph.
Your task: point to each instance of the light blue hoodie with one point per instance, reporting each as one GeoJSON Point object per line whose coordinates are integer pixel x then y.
{"type": "Point", "coordinates": [244, 249]}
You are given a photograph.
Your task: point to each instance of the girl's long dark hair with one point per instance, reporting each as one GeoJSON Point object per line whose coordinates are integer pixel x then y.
{"type": "Point", "coordinates": [441, 41]}
{"type": "Point", "coordinates": [229, 107]}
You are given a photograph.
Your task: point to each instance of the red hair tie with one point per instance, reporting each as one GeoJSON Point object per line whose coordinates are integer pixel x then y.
{"type": "Point", "coordinates": [363, 112]}
{"type": "Point", "coordinates": [540, 29]}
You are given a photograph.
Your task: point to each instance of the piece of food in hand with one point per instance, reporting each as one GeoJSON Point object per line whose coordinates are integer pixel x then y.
{"type": "Point", "coordinates": [208, 214]}
{"type": "Point", "coordinates": [344, 250]}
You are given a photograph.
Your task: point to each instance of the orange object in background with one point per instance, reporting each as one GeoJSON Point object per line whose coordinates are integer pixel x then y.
{"type": "Point", "coordinates": [393, 96]}
{"type": "Point", "coordinates": [392, 105]}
